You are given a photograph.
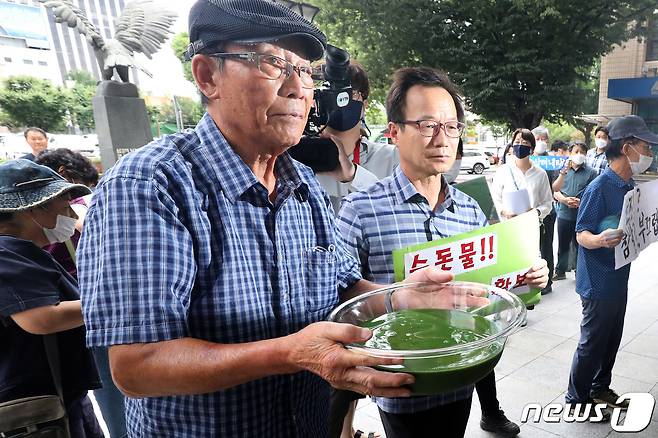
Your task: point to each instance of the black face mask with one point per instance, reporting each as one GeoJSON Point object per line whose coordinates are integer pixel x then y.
{"type": "Point", "coordinates": [345, 118]}
{"type": "Point", "coordinates": [521, 151]}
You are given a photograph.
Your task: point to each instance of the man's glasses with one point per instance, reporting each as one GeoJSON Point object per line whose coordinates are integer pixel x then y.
{"type": "Point", "coordinates": [430, 128]}
{"type": "Point", "coordinates": [273, 67]}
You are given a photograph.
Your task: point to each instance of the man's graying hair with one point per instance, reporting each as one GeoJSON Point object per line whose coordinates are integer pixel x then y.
{"type": "Point", "coordinates": [217, 48]}
{"type": "Point", "coordinates": [614, 149]}
{"type": "Point", "coordinates": [540, 131]}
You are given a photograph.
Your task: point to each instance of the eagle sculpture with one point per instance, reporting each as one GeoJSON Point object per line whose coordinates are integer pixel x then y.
{"type": "Point", "coordinates": [142, 27]}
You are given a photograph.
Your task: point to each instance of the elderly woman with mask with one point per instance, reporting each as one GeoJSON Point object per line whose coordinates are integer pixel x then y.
{"type": "Point", "coordinates": [38, 297]}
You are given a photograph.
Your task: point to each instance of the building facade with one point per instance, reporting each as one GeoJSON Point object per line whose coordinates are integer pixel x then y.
{"type": "Point", "coordinates": [629, 79]}
{"type": "Point", "coordinates": [48, 49]}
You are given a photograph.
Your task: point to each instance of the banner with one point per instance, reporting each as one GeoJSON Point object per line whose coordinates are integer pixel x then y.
{"type": "Point", "coordinates": [498, 254]}
{"type": "Point", "coordinates": [478, 189]}
{"type": "Point", "coordinates": [549, 162]}
{"type": "Point", "coordinates": [639, 220]}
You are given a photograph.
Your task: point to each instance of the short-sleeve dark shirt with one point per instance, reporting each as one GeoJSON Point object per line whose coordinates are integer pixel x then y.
{"type": "Point", "coordinates": [574, 185]}
{"type": "Point", "coordinates": [30, 278]}
{"type": "Point", "coordinates": [600, 208]}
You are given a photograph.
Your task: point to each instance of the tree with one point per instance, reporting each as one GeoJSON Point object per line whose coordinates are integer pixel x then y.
{"type": "Point", "coordinates": [82, 77]}
{"type": "Point", "coordinates": [517, 61]}
{"type": "Point", "coordinates": [375, 113]}
{"type": "Point", "coordinates": [79, 99]}
{"type": "Point", "coordinates": [30, 101]}
{"type": "Point", "coordinates": [179, 43]}
{"type": "Point", "coordinates": [192, 112]}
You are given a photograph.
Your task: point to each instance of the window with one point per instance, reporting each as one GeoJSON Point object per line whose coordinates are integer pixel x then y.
{"type": "Point", "coordinates": [43, 63]}
{"type": "Point", "coordinates": [7, 59]}
{"type": "Point", "coordinates": [28, 61]}
{"type": "Point", "coordinates": [652, 41]}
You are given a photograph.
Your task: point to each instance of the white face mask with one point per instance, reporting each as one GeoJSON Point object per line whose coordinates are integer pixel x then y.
{"type": "Point", "coordinates": [577, 159]}
{"type": "Point", "coordinates": [64, 229]}
{"type": "Point", "coordinates": [541, 146]}
{"type": "Point", "coordinates": [601, 143]}
{"type": "Point", "coordinates": [637, 167]}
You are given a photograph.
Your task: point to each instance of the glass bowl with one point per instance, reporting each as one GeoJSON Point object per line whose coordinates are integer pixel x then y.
{"type": "Point", "coordinates": [450, 335]}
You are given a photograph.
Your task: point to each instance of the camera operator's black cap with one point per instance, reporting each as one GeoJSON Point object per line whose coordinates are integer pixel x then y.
{"type": "Point", "coordinates": [251, 21]}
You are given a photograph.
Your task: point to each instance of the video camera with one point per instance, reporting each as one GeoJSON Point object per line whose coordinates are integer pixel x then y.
{"type": "Point", "coordinates": [334, 92]}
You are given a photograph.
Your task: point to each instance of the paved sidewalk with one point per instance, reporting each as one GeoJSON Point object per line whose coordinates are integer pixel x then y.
{"type": "Point", "coordinates": [536, 361]}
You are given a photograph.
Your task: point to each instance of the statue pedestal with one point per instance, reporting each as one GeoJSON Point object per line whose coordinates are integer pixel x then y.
{"type": "Point", "coordinates": [122, 123]}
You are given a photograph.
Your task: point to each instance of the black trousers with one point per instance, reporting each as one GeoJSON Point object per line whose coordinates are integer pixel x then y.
{"type": "Point", "coordinates": [339, 404]}
{"type": "Point", "coordinates": [446, 421]}
{"type": "Point", "coordinates": [486, 389]}
{"type": "Point", "coordinates": [546, 243]}
{"type": "Point", "coordinates": [566, 237]}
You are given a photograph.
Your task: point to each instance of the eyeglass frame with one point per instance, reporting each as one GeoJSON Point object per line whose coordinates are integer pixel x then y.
{"type": "Point", "coordinates": [437, 129]}
{"type": "Point", "coordinates": [255, 58]}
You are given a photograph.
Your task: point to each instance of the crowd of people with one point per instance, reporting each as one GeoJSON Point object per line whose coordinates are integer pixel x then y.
{"type": "Point", "coordinates": [191, 291]}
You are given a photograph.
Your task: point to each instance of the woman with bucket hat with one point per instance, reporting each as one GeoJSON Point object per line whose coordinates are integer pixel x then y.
{"type": "Point", "coordinates": [42, 335]}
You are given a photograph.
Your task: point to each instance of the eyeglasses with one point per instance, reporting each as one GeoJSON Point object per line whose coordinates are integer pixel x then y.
{"type": "Point", "coordinates": [430, 128]}
{"type": "Point", "coordinates": [273, 67]}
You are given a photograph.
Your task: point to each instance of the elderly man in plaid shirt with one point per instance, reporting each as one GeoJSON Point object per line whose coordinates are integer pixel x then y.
{"type": "Point", "coordinates": [209, 257]}
{"type": "Point", "coordinates": [416, 205]}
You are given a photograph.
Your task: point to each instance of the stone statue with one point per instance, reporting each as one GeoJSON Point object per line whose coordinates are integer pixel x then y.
{"type": "Point", "coordinates": [142, 27]}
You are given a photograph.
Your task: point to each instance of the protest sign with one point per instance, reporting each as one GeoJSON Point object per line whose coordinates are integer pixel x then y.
{"type": "Point", "coordinates": [639, 220]}
{"type": "Point", "coordinates": [478, 189]}
{"type": "Point", "coordinates": [516, 201]}
{"type": "Point", "coordinates": [549, 162]}
{"type": "Point", "coordinates": [498, 254]}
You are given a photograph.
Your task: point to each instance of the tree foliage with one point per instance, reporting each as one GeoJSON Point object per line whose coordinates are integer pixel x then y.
{"type": "Point", "coordinates": [191, 110]}
{"type": "Point", "coordinates": [30, 101]}
{"type": "Point", "coordinates": [79, 99]}
{"type": "Point", "coordinates": [517, 61]}
{"type": "Point", "coordinates": [179, 43]}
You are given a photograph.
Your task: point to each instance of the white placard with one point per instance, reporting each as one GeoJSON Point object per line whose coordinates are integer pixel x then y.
{"type": "Point", "coordinates": [516, 201]}
{"type": "Point", "coordinates": [639, 220]}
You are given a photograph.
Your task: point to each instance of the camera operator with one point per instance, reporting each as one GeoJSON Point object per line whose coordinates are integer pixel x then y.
{"type": "Point", "coordinates": [361, 161]}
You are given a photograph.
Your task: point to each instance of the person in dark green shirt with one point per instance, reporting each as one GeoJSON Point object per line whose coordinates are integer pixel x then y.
{"type": "Point", "coordinates": [567, 188]}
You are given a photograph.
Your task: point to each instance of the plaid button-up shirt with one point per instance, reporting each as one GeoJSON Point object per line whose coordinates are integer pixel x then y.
{"type": "Point", "coordinates": [596, 161]}
{"type": "Point", "coordinates": [181, 240]}
{"type": "Point", "coordinates": [389, 215]}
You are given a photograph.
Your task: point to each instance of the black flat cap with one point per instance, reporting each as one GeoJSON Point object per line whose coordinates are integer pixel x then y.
{"type": "Point", "coordinates": [631, 126]}
{"type": "Point", "coordinates": [251, 21]}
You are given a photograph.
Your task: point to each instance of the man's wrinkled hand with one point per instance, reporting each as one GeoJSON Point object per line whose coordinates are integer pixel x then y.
{"type": "Point", "coordinates": [610, 237]}
{"type": "Point", "coordinates": [537, 276]}
{"type": "Point", "coordinates": [319, 348]}
{"type": "Point", "coordinates": [434, 294]}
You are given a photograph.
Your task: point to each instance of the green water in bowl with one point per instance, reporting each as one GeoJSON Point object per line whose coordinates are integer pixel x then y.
{"type": "Point", "coordinates": [425, 329]}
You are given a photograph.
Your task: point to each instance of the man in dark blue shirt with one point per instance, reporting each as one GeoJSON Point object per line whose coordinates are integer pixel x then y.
{"type": "Point", "coordinates": [603, 290]}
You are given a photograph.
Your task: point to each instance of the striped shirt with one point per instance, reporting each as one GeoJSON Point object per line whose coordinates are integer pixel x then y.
{"type": "Point", "coordinates": [181, 240]}
{"type": "Point", "coordinates": [389, 215]}
{"type": "Point", "coordinates": [596, 161]}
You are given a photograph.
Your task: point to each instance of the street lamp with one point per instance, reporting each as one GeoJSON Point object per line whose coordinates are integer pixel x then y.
{"type": "Point", "coordinates": [304, 9]}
